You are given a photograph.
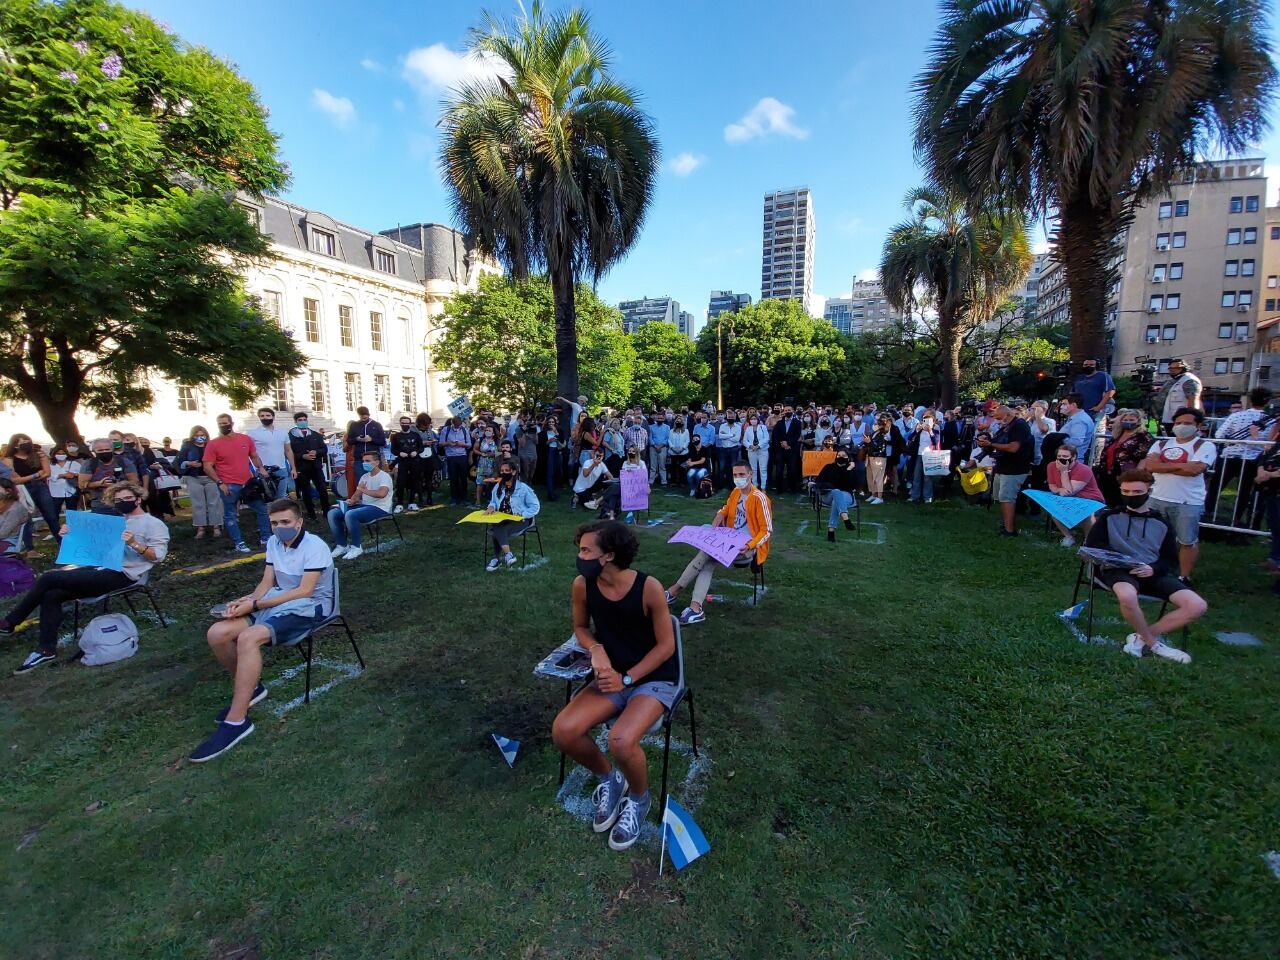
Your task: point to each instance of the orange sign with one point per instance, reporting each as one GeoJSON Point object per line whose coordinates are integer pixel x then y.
{"type": "Point", "coordinates": [815, 460]}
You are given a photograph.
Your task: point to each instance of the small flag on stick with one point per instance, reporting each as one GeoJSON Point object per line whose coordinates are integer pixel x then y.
{"type": "Point", "coordinates": [681, 837]}
{"type": "Point", "coordinates": [508, 748]}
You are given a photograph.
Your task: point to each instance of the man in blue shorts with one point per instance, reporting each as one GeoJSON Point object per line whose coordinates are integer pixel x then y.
{"type": "Point", "coordinates": [295, 593]}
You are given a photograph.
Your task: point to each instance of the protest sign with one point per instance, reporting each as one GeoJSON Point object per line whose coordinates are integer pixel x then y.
{"type": "Point", "coordinates": [479, 516]}
{"type": "Point", "coordinates": [723, 544]}
{"type": "Point", "coordinates": [1068, 511]}
{"type": "Point", "coordinates": [635, 490]}
{"type": "Point", "coordinates": [815, 460]}
{"type": "Point", "coordinates": [461, 407]}
{"type": "Point", "coordinates": [93, 540]}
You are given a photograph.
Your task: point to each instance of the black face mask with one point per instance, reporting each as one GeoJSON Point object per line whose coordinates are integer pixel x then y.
{"type": "Point", "coordinates": [507, 478]}
{"type": "Point", "coordinates": [126, 507]}
{"type": "Point", "coordinates": [1135, 501]}
{"type": "Point", "coordinates": [266, 421]}
{"type": "Point", "coordinates": [590, 568]}
{"type": "Point", "coordinates": [224, 428]}
{"type": "Point", "coordinates": [24, 448]}
{"type": "Point", "coordinates": [843, 461]}
{"type": "Point", "coordinates": [105, 456]}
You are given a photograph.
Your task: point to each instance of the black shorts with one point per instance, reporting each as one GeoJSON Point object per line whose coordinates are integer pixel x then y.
{"type": "Point", "coordinates": [1162, 587]}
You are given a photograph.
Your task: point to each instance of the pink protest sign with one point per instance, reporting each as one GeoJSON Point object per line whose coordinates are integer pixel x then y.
{"type": "Point", "coordinates": [722, 544]}
{"type": "Point", "coordinates": [635, 490]}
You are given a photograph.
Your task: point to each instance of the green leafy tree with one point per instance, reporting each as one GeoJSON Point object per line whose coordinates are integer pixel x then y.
{"type": "Point", "coordinates": [552, 165]}
{"type": "Point", "coordinates": [963, 263]}
{"type": "Point", "coordinates": [668, 370]}
{"type": "Point", "coordinates": [1083, 108]}
{"type": "Point", "coordinates": [121, 251]}
{"type": "Point", "coordinates": [499, 345]}
{"type": "Point", "coordinates": [772, 349]}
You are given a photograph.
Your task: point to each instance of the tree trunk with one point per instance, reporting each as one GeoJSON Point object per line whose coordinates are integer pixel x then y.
{"type": "Point", "coordinates": [59, 419]}
{"type": "Point", "coordinates": [1086, 245]}
{"type": "Point", "coordinates": [951, 340]}
{"type": "Point", "coordinates": [566, 329]}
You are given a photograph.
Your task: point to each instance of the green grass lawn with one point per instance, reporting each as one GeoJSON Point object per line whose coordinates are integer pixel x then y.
{"type": "Point", "coordinates": [910, 756]}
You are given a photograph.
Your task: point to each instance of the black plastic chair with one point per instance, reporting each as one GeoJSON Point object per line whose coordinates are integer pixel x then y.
{"type": "Point", "coordinates": [757, 576]}
{"type": "Point", "coordinates": [375, 526]}
{"type": "Point", "coordinates": [486, 542]}
{"type": "Point", "coordinates": [1087, 575]}
{"type": "Point", "coordinates": [820, 499]}
{"type": "Point", "coordinates": [305, 643]}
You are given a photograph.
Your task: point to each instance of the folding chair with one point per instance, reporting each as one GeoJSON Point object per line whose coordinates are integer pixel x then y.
{"type": "Point", "coordinates": [106, 598]}
{"type": "Point", "coordinates": [1086, 574]}
{"type": "Point", "coordinates": [820, 499]}
{"type": "Point", "coordinates": [757, 576]}
{"type": "Point", "coordinates": [309, 638]}
{"type": "Point", "coordinates": [485, 542]}
{"type": "Point", "coordinates": [375, 526]}
{"type": "Point", "coordinates": [683, 693]}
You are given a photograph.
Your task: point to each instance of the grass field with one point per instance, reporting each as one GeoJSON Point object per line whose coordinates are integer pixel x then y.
{"type": "Point", "coordinates": [910, 756]}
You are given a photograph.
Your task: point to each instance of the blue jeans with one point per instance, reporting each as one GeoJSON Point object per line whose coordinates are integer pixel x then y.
{"type": "Point", "coordinates": [921, 483]}
{"type": "Point", "coordinates": [48, 507]}
{"type": "Point", "coordinates": [284, 482]}
{"type": "Point", "coordinates": [694, 476]}
{"type": "Point", "coordinates": [231, 511]}
{"type": "Point", "coordinates": [554, 476]}
{"type": "Point", "coordinates": [346, 529]}
{"type": "Point", "coordinates": [726, 457]}
{"type": "Point", "coordinates": [841, 501]}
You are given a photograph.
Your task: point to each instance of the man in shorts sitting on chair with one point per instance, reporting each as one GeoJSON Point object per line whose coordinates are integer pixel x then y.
{"type": "Point", "coordinates": [1137, 531]}
{"type": "Point", "coordinates": [294, 594]}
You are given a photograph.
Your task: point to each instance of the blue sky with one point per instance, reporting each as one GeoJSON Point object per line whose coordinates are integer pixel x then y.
{"type": "Point", "coordinates": [747, 97]}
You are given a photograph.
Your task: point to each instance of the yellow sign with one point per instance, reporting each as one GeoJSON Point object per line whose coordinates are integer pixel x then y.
{"type": "Point", "coordinates": [479, 516]}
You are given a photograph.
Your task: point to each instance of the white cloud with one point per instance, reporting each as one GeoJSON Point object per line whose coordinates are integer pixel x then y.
{"type": "Point", "coordinates": [373, 66]}
{"type": "Point", "coordinates": [769, 116]}
{"type": "Point", "coordinates": [437, 69]}
{"type": "Point", "coordinates": [685, 163]}
{"type": "Point", "coordinates": [868, 275]}
{"type": "Point", "coordinates": [340, 109]}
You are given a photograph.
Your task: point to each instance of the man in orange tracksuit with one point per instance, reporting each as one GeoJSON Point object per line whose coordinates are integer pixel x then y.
{"type": "Point", "coordinates": [746, 509]}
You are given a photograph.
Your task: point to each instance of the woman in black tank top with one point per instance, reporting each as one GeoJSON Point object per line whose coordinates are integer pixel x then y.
{"type": "Point", "coordinates": [621, 618]}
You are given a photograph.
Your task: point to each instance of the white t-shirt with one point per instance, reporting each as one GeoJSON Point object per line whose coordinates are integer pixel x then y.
{"type": "Point", "coordinates": [62, 477]}
{"type": "Point", "coordinates": [370, 485]}
{"type": "Point", "coordinates": [309, 553]}
{"type": "Point", "coordinates": [1172, 488]}
{"type": "Point", "coordinates": [271, 444]}
{"type": "Point", "coordinates": [581, 483]}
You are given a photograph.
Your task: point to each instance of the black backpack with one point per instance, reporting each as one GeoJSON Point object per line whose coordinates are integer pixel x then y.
{"type": "Point", "coordinates": [705, 489]}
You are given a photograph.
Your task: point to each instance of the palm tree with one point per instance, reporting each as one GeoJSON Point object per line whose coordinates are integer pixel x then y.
{"type": "Point", "coordinates": [552, 163]}
{"type": "Point", "coordinates": [1081, 109]}
{"type": "Point", "coordinates": [963, 263]}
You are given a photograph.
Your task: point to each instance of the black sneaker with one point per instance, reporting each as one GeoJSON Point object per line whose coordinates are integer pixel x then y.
{"type": "Point", "coordinates": [6, 627]}
{"type": "Point", "coordinates": [831, 535]}
{"type": "Point", "coordinates": [259, 694]}
{"type": "Point", "coordinates": [848, 524]}
{"type": "Point", "coordinates": [1008, 533]}
{"type": "Point", "coordinates": [36, 658]}
{"type": "Point", "coordinates": [1186, 582]}
{"type": "Point", "coordinates": [223, 739]}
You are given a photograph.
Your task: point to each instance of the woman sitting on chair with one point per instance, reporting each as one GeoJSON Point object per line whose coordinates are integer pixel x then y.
{"type": "Point", "coordinates": [511, 496]}
{"type": "Point", "coordinates": [621, 620]}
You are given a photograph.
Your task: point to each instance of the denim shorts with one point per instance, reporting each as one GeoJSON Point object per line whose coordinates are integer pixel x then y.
{"type": "Point", "coordinates": [661, 690]}
{"type": "Point", "coordinates": [1183, 517]}
{"type": "Point", "coordinates": [286, 629]}
{"type": "Point", "coordinates": [1005, 486]}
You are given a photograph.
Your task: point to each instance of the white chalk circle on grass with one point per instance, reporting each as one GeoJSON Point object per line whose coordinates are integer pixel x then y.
{"type": "Point", "coordinates": [1235, 638]}
{"type": "Point", "coordinates": [346, 671]}
{"type": "Point", "coordinates": [574, 795]}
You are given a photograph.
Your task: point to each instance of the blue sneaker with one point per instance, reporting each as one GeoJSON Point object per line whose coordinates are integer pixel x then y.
{"type": "Point", "coordinates": [35, 659]}
{"type": "Point", "coordinates": [690, 615]}
{"type": "Point", "coordinates": [608, 800]}
{"type": "Point", "coordinates": [630, 820]}
{"type": "Point", "coordinates": [259, 694]}
{"type": "Point", "coordinates": [223, 739]}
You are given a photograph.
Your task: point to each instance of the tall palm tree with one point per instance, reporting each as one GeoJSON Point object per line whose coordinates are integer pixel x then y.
{"type": "Point", "coordinates": [551, 164]}
{"type": "Point", "coordinates": [1082, 108]}
{"type": "Point", "coordinates": [963, 263]}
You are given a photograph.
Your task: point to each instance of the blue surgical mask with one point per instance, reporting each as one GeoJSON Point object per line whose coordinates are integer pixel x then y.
{"type": "Point", "coordinates": [287, 535]}
{"type": "Point", "coordinates": [300, 424]}
{"type": "Point", "coordinates": [366, 466]}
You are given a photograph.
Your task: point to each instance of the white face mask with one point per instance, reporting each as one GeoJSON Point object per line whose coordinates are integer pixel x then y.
{"type": "Point", "coordinates": [1185, 431]}
{"type": "Point", "coordinates": [741, 482]}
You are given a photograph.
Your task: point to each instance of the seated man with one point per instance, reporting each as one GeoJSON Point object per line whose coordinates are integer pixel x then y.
{"type": "Point", "coordinates": [620, 619]}
{"type": "Point", "coordinates": [371, 501]}
{"type": "Point", "coordinates": [837, 482]}
{"type": "Point", "coordinates": [146, 542]}
{"type": "Point", "coordinates": [590, 479]}
{"type": "Point", "coordinates": [510, 495]}
{"type": "Point", "coordinates": [294, 594]}
{"type": "Point", "coordinates": [1137, 531]}
{"type": "Point", "coordinates": [746, 509]}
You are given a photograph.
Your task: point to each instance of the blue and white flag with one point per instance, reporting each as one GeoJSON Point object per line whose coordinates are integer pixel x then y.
{"type": "Point", "coordinates": [681, 836]}
{"type": "Point", "coordinates": [1072, 613]}
{"type": "Point", "coordinates": [508, 748]}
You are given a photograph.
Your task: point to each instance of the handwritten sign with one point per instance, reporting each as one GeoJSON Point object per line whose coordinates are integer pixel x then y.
{"type": "Point", "coordinates": [722, 544]}
{"type": "Point", "coordinates": [1068, 511]}
{"type": "Point", "coordinates": [461, 407]}
{"type": "Point", "coordinates": [635, 489]}
{"type": "Point", "coordinates": [479, 516]}
{"type": "Point", "coordinates": [93, 540]}
{"type": "Point", "coordinates": [815, 460]}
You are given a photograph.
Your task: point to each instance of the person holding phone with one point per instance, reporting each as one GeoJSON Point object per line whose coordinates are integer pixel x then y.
{"type": "Point", "coordinates": [590, 480]}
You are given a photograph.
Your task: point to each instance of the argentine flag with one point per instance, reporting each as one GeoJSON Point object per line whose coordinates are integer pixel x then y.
{"type": "Point", "coordinates": [1072, 613]}
{"type": "Point", "coordinates": [681, 836]}
{"type": "Point", "coordinates": [508, 748]}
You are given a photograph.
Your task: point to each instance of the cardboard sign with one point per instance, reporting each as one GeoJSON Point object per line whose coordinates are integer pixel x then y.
{"type": "Point", "coordinates": [635, 489]}
{"type": "Point", "coordinates": [93, 540]}
{"type": "Point", "coordinates": [479, 516]}
{"type": "Point", "coordinates": [815, 460]}
{"type": "Point", "coordinates": [461, 407]}
{"type": "Point", "coordinates": [722, 544]}
{"type": "Point", "coordinates": [1068, 511]}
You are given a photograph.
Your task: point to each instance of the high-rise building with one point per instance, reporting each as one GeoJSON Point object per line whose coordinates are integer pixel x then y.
{"type": "Point", "coordinates": [636, 313]}
{"type": "Point", "coordinates": [1029, 292]}
{"type": "Point", "coordinates": [786, 266]}
{"type": "Point", "coordinates": [726, 301]}
{"type": "Point", "coordinates": [687, 324]}
{"type": "Point", "coordinates": [865, 310]}
{"type": "Point", "coordinates": [1265, 369]}
{"type": "Point", "coordinates": [1192, 277]}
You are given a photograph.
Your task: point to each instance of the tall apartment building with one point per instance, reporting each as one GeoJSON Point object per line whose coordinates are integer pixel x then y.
{"type": "Point", "coordinates": [726, 301]}
{"type": "Point", "coordinates": [1052, 299]}
{"type": "Point", "coordinates": [687, 324]}
{"type": "Point", "coordinates": [1029, 292]}
{"type": "Point", "coordinates": [361, 307]}
{"type": "Point", "coordinates": [636, 313]}
{"type": "Point", "coordinates": [1191, 278]}
{"type": "Point", "coordinates": [1265, 368]}
{"type": "Point", "coordinates": [865, 310]}
{"type": "Point", "coordinates": [786, 266]}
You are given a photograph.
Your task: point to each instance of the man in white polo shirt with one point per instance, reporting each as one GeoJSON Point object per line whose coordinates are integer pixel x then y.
{"type": "Point", "coordinates": [275, 451]}
{"type": "Point", "coordinates": [296, 593]}
{"type": "Point", "coordinates": [1179, 465]}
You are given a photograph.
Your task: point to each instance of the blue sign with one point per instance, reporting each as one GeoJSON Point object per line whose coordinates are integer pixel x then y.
{"type": "Point", "coordinates": [93, 540]}
{"type": "Point", "coordinates": [1068, 511]}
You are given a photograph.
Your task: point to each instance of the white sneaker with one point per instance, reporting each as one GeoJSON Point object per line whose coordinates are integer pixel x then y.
{"type": "Point", "coordinates": [928, 499]}
{"type": "Point", "coordinates": [1162, 649]}
{"type": "Point", "coordinates": [399, 508]}
{"type": "Point", "coordinates": [1133, 645]}
{"type": "Point", "coordinates": [339, 552]}
{"type": "Point", "coordinates": [413, 508]}
{"type": "Point", "coordinates": [1068, 541]}
{"type": "Point", "coordinates": [353, 553]}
